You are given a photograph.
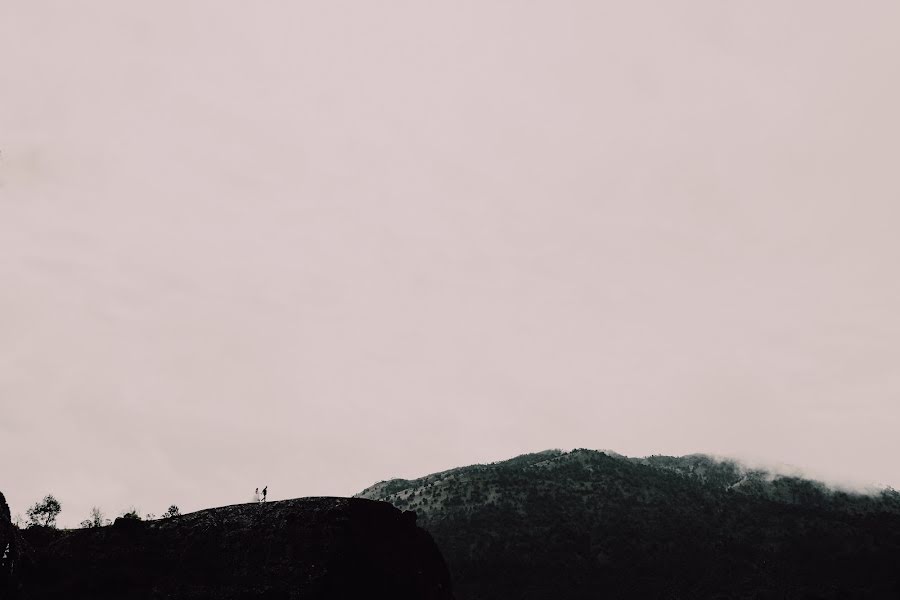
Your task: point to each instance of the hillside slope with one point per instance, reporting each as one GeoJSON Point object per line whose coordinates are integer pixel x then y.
{"type": "Point", "coordinates": [591, 524]}
{"type": "Point", "coordinates": [308, 548]}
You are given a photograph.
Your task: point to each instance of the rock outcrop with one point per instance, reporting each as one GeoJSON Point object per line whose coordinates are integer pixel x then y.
{"type": "Point", "coordinates": [5, 516]}
{"type": "Point", "coordinates": [10, 549]}
{"type": "Point", "coordinates": [309, 548]}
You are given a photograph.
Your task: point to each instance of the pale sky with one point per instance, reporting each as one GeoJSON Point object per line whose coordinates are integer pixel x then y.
{"type": "Point", "coordinates": [314, 245]}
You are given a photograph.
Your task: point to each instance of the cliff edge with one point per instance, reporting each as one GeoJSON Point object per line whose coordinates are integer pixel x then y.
{"type": "Point", "coordinates": [309, 548]}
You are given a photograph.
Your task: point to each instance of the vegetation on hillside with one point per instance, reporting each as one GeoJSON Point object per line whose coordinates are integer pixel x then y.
{"type": "Point", "coordinates": [590, 524]}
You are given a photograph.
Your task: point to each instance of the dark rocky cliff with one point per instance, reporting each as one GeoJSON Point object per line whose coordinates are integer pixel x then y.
{"type": "Point", "coordinates": [10, 544]}
{"type": "Point", "coordinates": [310, 548]}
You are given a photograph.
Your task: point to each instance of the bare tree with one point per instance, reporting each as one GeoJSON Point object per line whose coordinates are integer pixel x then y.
{"type": "Point", "coordinates": [96, 520]}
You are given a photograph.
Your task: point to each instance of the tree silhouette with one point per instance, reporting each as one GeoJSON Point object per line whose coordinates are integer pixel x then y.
{"type": "Point", "coordinates": [44, 513]}
{"type": "Point", "coordinates": [96, 520]}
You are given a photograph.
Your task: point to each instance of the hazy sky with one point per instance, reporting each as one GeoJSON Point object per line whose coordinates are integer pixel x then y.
{"type": "Point", "coordinates": [313, 245]}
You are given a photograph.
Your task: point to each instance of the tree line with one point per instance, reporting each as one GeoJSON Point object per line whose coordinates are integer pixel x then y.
{"type": "Point", "coordinates": [45, 512]}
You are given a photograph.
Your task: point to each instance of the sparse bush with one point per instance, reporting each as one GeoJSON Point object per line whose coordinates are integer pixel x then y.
{"type": "Point", "coordinates": [131, 515]}
{"type": "Point", "coordinates": [172, 511]}
{"type": "Point", "coordinates": [96, 520]}
{"type": "Point", "coordinates": [44, 513]}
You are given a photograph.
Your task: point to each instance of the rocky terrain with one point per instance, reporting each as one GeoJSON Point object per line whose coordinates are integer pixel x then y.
{"type": "Point", "coordinates": [10, 544]}
{"type": "Point", "coordinates": [310, 548]}
{"type": "Point", "coordinates": [592, 524]}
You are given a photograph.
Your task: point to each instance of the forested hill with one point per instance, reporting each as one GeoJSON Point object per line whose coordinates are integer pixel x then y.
{"type": "Point", "coordinates": [591, 524]}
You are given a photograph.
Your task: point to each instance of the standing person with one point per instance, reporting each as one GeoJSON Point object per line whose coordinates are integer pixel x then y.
{"type": "Point", "coordinates": [256, 495]}
{"type": "Point", "coordinates": [265, 489]}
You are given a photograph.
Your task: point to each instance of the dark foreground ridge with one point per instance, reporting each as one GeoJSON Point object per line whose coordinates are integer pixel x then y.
{"type": "Point", "coordinates": [310, 548]}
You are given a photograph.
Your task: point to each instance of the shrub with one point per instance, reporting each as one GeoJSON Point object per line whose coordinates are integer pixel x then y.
{"type": "Point", "coordinates": [131, 515]}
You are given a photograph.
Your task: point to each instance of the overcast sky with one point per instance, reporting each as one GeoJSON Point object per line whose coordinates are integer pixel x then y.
{"type": "Point", "coordinates": [313, 245]}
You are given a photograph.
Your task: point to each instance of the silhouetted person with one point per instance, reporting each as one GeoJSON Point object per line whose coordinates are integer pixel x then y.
{"type": "Point", "coordinates": [264, 493]}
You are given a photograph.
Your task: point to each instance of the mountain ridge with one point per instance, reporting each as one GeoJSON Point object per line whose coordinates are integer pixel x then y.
{"type": "Point", "coordinates": [730, 473]}
{"type": "Point", "coordinates": [588, 523]}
